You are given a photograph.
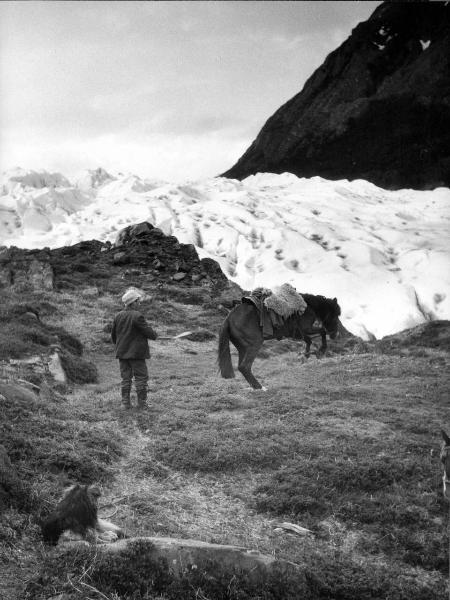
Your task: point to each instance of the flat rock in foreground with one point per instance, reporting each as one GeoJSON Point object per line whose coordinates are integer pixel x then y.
{"type": "Point", "coordinates": [185, 555]}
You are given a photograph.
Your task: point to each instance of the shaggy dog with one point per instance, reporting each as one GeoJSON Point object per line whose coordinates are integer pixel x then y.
{"type": "Point", "coordinates": [77, 512]}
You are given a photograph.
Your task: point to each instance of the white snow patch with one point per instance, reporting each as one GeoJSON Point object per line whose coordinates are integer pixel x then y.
{"type": "Point", "coordinates": [383, 254]}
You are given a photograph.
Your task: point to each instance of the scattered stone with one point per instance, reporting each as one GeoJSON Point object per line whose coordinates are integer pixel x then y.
{"type": "Point", "coordinates": [90, 292]}
{"type": "Point", "coordinates": [292, 528]}
{"type": "Point", "coordinates": [179, 276]}
{"type": "Point", "coordinates": [56, 369]}
{"type": "Point", "coordinates": [120, 258]}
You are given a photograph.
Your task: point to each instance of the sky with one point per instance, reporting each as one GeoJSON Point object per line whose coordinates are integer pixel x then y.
{"type": "Point", "coordinates": [166, 90]}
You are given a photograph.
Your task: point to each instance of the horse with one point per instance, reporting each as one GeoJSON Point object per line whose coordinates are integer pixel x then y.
{"type": "Point", "coordinates": [445, 459]}
{"type": "Point", "coordinates": [242, 328]}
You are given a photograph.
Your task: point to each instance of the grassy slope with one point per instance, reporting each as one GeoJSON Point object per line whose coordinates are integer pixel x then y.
{"type": "Point", "coordinates": [346, 446]}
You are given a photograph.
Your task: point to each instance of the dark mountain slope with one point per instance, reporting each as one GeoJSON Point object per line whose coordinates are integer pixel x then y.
{"type": "Point", "coordinates": [378, 108]}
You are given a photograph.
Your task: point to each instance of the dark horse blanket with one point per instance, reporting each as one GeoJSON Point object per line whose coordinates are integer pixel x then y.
{"type": "Point", "coordinates": [275, 308]}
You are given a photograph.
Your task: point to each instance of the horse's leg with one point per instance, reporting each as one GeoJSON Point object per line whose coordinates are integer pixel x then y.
{"type": "Point", "coordinates": [246, 357]}
{"type": "Point", "coordinates": [308, 342]}
{"type": "Point", "coordinates": [323, 348]}
{"type": "Point", "coordinates": [316, 331]}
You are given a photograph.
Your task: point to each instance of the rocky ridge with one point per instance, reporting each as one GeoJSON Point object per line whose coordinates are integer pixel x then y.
{"type": "Point", "coordinates": [140, 252]}
{"type": "Point", "coordinates": [377, 109]}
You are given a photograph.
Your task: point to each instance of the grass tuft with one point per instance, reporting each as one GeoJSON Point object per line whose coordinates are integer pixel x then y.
{"type": "Point", "coordinates": [77, 369]}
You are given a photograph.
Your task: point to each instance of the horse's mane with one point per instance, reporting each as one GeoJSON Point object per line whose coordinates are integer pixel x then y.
{"type": "Point", "coordinates": [322, 306]}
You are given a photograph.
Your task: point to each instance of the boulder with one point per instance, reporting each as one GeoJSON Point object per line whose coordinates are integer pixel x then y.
{"type": "Point", "coordinates": [179, 276]}
{"type": "Point", "coordinates": [55, 367]}
{"type": "Point", "coordinates": [90, 292]}
{"type": "Point", "coordinates": [26, 271]}
{"type": "Point", "coordinates": [132, 231]}
{"type": "Point", "coordinates": [40, 275]}
{"type": "Point", "coordinates": [184, 555]}
{"type": "Point", "coordinates": [121, 258]}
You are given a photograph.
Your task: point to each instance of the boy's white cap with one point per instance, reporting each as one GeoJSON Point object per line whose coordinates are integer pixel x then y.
{"type": "Point", "coordinates": [131, 296]}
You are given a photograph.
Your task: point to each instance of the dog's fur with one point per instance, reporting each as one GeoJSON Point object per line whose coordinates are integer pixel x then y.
{"type": "Point", "coordinates": [77, 512]}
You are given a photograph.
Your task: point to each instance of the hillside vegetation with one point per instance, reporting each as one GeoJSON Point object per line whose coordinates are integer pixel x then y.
{"type": "Point", "coordinates": [347, 447]}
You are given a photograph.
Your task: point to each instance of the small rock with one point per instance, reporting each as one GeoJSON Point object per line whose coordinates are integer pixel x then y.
{"type": "Point", "coordinates": [30, 314]}
{"type": "Point", "coordinates": [56, 369]}
{"type": "Point", "coordinates": [120, 258]}
{"type": "Point", "coordinates": [90, 292]}
{"type": "Point", "coordinates": [179, 276]}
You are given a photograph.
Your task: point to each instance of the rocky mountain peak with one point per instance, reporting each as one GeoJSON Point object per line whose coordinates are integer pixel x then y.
{"type": "Point", "coordinates": [378, 108]}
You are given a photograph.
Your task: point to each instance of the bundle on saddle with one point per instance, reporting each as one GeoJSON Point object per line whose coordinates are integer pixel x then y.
{"type": "Point", "coordinates": [276, 309]}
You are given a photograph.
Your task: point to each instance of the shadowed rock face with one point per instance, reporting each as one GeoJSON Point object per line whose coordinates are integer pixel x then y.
{"type": "Point", "coordinates": [377, 109]}
{"type": "Point", "coordinates": [141, 253]}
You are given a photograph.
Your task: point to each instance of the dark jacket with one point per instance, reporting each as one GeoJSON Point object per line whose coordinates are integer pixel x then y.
{"type": "Point", "coordinates": [130, 333]}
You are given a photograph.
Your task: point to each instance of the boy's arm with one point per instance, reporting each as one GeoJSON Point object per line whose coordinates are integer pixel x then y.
{"type": "Point", "coordinates": [145, 328]}
{"type": "Point", "coordinates": [113, 332]}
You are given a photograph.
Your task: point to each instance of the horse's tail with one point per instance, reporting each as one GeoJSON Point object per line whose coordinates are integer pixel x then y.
{"type": "Point", "coordinates": [223, 354]}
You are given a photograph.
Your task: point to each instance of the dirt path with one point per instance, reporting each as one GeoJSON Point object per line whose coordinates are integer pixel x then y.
{"type": "Point", "coordinates": [149, 497]}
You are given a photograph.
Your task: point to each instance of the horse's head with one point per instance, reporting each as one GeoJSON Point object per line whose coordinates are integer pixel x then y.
{"type": "Point", "coordinates": [445, 459]}
{"type": "Point", "coordinates": [331, 319]}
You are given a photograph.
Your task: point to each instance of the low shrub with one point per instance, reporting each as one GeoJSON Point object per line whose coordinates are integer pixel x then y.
{"type": "Point", "coordinates": [196, 296]}
{"type": "Point", "coordinates": [77, 369]}
{"type": "Point", "coordinates": [341, 578]}
{"type": "Point", "coordinates": [46, 436]}
{"type": "Point", "coordinates": [68, 341]}
{"type": "Point", "coordinates": [387, 496]}
{"type": "Point", "coordinates": [20, 339]}
{"type": "Point", "coordinates": [80, 267]}
{"type": "Point", "coordinates": [202, 335]}
{"type": "Point", "coordinates": [22, 333]}
{"type": "Point", "coordinates": [208, 450]}
{"type": "Point", "coordinates": [78, 464]}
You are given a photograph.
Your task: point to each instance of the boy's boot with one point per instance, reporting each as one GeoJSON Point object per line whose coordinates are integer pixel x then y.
{"type": "Point", "coordinates": [141, 398]}
{"type": "Point", "coordinates": [126, 397]}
